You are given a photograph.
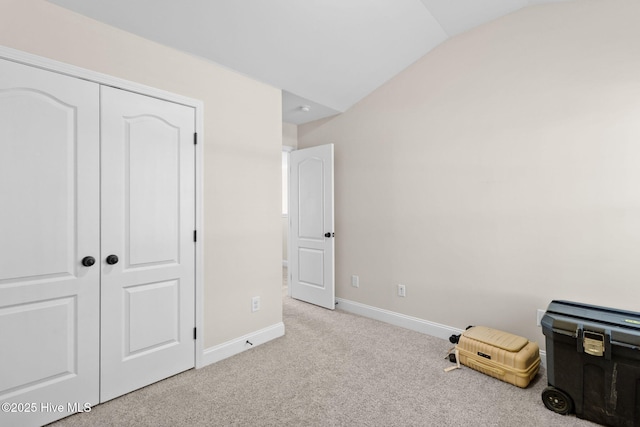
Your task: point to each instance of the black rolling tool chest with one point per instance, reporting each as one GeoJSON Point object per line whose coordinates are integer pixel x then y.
{"type": "Point", "coordinates": [593, 362]}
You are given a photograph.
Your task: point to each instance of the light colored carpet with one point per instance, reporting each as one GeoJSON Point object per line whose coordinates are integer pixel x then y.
{"type": "Point", "coordinates": [331, 368]}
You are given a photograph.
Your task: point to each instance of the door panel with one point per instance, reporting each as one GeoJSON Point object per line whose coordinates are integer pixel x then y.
{"type": "Point", "coordinates": [52, 325]}
{"type": "Point", "coordinates": [152, 317]}
{"type": "Point", "coordinates": [311, 213]}
{"type": "Point", "coordinates": [148, 218]}
{"type": "Point", "coordinates": [154, 195]}
{"type": "Point", "coordinates": [53, 237]}
{"type": "Point", "coordinates": [311, 267]}
{"type": "Point", "coordinates": [49, 221]}
{"type": "Point", "coordinates": [311, 190]}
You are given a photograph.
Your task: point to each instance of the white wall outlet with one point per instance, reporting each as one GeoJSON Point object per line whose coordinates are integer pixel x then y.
{"type": "Point", "coordinates": [402, 291]}
{"type": "Point", "coordinates": [355, 281]}
{"type": "Point", "coordinates": [255, 304]}
{"type": "Point", "coordinates": [540, 313]}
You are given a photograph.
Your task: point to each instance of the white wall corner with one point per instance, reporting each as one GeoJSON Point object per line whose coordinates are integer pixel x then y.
{"type": "Point", "coordinates": [408, 322]}
{"type": "Point", "coordinates": [238, 345]}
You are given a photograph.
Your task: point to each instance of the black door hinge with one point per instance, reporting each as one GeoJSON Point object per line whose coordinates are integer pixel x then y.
{"type": "Point", "coordinates": [195, 334]}
{"type": "Point", "coordinates": [195, 236]}
{"type": "Point", "coordinates": [195, 139]}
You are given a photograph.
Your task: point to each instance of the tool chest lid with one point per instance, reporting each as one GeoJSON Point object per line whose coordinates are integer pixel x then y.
{"type": "Point", "coordinates": [594, 313]}
{"type": "Point", "coordinates": [496, 338]}
{"type": "Point", "coordinates": [619, 327]}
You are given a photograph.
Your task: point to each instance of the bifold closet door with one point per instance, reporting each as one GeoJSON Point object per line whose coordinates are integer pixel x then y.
{"type": "Point", "coordinates": [148, 250]}
{"type": "Point", "coordinates": [49, 226]}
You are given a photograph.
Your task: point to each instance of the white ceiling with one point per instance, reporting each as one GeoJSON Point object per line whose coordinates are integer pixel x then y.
{"type": "Point", "coordinates": [326, 54]}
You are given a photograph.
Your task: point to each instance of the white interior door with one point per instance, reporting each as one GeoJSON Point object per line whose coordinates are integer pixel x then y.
{"type": "Point", "coordinates": [148, 223]}
{"type": "Point", "coordinates": [49, 221]}
{"type": "Point", "coordinates": [311, 254]}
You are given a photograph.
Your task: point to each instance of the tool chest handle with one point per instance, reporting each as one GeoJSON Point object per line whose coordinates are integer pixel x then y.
{"type": "Point", "coordinates": [581, 339]}
{"type": "Point", "coordinates": [564, 332]}
{"type": "Point", "coordinates": [625, 345]}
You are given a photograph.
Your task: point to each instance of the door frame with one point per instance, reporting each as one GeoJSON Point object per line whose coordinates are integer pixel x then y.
{"type": "Point", "coordinates": [288, 149]}
{"type": "Point", "coordinates": [104, 79]}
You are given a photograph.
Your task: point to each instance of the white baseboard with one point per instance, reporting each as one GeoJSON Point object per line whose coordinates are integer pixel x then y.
{"type": "Point", "coordinates": [398, 319]}
{"type": "Point", "coordinates": [238, 345]}
{"type": "Point", "coordinates": [407, 322]}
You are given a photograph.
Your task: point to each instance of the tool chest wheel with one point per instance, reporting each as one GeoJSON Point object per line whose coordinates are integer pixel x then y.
{"type": "Point", "coordinates": [557, 400]}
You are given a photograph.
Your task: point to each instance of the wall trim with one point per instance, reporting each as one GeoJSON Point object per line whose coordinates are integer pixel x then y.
{"type": "Point", "coordinates": [285, 263]}
{"type": "Point", "coordinates": [408, 322]}
{"type": "Point", "coordinates": [398, 319]}
{"type": "Point", "coordinates": [238, 345]}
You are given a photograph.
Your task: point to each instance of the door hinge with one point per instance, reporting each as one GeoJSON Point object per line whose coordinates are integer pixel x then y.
{"type": "Point", "coordinates": [195, 139]}
{"type": "Point", "coordinates": [195, 334]}
{"type": "Point", "coordinates": [195, 236]}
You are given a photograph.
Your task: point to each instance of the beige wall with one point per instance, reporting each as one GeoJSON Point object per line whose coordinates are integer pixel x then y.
{"type": "Point", "coordinates": [499, 172]}
{"type": "Point", "coordinates": [242, 125]}
{"type": "Point", "coordinates": [289, 135]}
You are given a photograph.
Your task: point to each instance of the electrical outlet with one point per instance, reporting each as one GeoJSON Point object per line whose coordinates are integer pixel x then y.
{"type": "Point", "coordinates": [402, 291]}
{"type": "Point", "coordinates": [355, 281]}
{"type": "Point", "coordinates": [540, 313]}
{"type": "Point", "coordinates": [255, 304]}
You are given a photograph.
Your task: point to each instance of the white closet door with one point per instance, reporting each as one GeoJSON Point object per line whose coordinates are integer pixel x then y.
{"type": "Point", "coordinates": [148, 222]}
{"type": "Point", "coordinates": [49, 221]}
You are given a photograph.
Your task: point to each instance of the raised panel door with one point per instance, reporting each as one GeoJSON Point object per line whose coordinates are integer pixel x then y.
{"type": "Point", "coordinates": [148, 220]}
{"type": "Point", "coordinates": [49, 221]}
{"type": "Point", "coordinates": [312, 233]}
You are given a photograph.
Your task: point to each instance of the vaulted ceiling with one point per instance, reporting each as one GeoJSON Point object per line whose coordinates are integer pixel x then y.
{"type": "Point", "coordinates": [323, 54]}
